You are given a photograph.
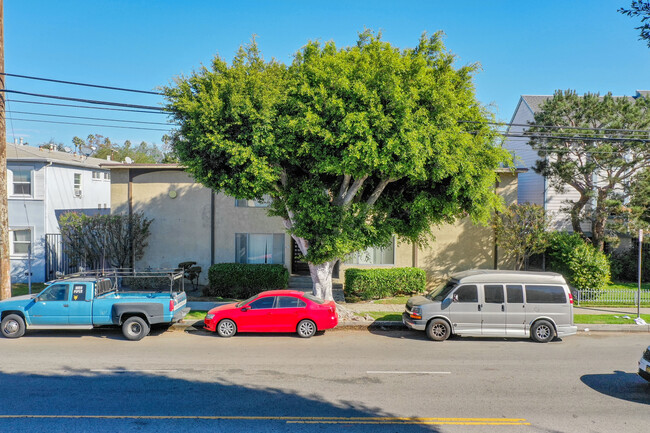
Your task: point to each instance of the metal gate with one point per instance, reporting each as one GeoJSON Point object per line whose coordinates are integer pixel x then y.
{"type": "Point", "coordinates": [56, 260]}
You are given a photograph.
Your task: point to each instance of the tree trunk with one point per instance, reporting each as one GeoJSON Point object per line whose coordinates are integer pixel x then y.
{"type": "Point", "coordinates": [321, 277]}
{"type": "Point", "coordinates": [575, 214]}
{"type": "Point", "coordinates": [599, 221]}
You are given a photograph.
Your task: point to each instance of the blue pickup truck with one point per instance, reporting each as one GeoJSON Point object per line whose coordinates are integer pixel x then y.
{"type": "Point", "coordinates": [92, 299]}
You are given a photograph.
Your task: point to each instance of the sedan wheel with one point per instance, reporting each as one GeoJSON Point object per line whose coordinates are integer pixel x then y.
{"type": "Point", "coordinates": [226, 328]}
{"type": "Point", "coordinates": [306, 328]}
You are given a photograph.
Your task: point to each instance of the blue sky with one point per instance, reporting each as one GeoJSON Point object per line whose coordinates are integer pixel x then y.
{"type": "Point", "coordinates": [523, 47]}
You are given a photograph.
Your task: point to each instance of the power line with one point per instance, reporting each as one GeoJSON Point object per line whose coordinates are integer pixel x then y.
{"type": "Point", "coordinates": [86, 101]}
{"type": "Point", "coordinates": [86, 118]}
{"type": "Point", "coordinates": [578, 138]}
{"type": "Point", "coordinates": [555, 126]}
{"type": "Point", "coordinates": [88, 124]}
{"type": "Point", "coordinates": [84, 106]}
{"type": "Point", "coordinates": [122, 89]}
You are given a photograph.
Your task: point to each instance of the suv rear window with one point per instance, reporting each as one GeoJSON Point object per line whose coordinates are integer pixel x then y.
{"type": "Point", "coordinates": [537, 294]}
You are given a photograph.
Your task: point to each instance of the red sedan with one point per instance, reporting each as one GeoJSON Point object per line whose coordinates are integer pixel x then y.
{"type": "Point", "coordinates": [274, 311]}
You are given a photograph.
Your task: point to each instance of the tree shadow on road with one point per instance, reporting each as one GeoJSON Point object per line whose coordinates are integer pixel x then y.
{"type": "Point", "coordinates": [122, 400]}
{"type": "Point", "coordinates": [619, 384]}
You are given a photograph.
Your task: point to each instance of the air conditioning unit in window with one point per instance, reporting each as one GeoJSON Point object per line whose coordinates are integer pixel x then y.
{"type": "Point", "coordinates": [77, 192]}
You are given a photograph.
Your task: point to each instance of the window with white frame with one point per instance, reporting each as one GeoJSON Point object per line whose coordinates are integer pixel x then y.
{"type": "Point", "coordinates": [259, 248]}
{"type": "Point", "coordinates": [107, 175]}
{"type": "Point", "coordinates": [264, 202]}
{"type": "Point", "coordinates": [77, 184]}
{"type": "Point", "coordinates": [21, 241]}
{"type": "Point", "coordinates": [22, 181]}
{"type": "Point", "coordinates": [373, 256]}
{"type": "Point", "coordinates": [97, 175]}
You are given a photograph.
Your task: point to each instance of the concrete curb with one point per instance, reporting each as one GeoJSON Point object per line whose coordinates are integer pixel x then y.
{"type": "Point", "coordinates": [399, 326]}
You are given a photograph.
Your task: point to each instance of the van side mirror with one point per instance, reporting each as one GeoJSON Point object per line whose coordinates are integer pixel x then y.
{"type": "Point", "coordinates": [454, 298]}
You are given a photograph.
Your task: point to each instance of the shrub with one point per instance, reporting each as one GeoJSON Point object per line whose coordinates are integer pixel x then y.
{"type": "Point", "coordinates": [581, 263]}
{"type": "Point", "coordinates": [240, 281]}
{"type": "Point", "coordinates": [625, 264]}
{"type": "Point", "coordinates": [383, 283]}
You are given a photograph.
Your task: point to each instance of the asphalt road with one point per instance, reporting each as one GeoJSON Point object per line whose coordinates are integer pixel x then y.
{"type": "Point", "coordinates": [342, 380]}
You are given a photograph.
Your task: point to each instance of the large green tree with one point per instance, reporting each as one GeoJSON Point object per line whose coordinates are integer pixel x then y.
{"type": "Point", "coordinates": [595, 145]}
{"type": "Point", "coordinates": [102, 147]}
{"type": "Point", "coordinates": [353, 145]}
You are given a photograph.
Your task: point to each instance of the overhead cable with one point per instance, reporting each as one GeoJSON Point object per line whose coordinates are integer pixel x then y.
{"type": "Point", "coordinates": [122, 89]}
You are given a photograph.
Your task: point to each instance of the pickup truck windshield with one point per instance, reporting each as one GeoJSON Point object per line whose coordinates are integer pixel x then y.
{"type": "Point", "coordinates": [442, 291]}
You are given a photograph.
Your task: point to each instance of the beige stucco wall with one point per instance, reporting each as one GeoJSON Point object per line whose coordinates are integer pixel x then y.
{"type": "Point", "coordinates": [181, 227]}
{"type": "Point", "coordinates": [180, 230]}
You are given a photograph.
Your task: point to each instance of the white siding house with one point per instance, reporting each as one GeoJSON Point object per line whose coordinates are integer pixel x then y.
{"type": "Point", "coordinates": [43, 184]}
{"type": "Point", "coordinates": [533, 187]}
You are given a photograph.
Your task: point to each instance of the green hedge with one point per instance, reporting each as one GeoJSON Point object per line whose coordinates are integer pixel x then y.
{"type": "Point", "coordinates": [625, 264]}
{"type": "Point", "coordinates": [383, 283]}
{"type": "Point", "coordinates": [580, 262]}
{"type": "Point", "coordinates": [241, 281]}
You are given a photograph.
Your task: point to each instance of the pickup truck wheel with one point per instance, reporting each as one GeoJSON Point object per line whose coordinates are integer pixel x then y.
{"type": "Point", "coordinates": [135, 328]}
{"type": "Point", "coordinates": [13, 326]}
{"type": "Point", "coordinates": [226, 328]}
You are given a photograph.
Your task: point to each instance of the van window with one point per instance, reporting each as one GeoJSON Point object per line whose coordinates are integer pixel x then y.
{"type": "Point", "coordinates": [466, 294]}
{"type": "Point", "coordinates": [515, 294]}
{"type": "Point", "coordinates": [545, 294]}
{"type": "Point", "coordinates": [493, 294]}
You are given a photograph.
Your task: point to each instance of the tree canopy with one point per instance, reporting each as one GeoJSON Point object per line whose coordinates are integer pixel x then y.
{"type": "Point", "coordinates": [353, 145]}
{"type": "Point", "coordinates": [597, 146]}
{"type": "Point", "coordinates": [104, 147]}
{"type": "Point", "coordinates": [640, 8]}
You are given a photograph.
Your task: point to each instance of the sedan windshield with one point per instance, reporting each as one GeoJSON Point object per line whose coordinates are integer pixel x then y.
{"type": "Point", "coordinates": [247, 301]}
{"type": "Point", "coordinates": [442, 291]}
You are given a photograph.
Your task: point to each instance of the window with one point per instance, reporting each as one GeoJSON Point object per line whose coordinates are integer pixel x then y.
{"type": "Point", "coordinates": [264, 202]}
{"type": "Point", "coordinates": [441, 292]}
{"type": "Point", "coordinates": [493, 294]}
{"type": "Point", "coordinates": [259, 248]}
{"type": "Point", "coordinates": [77, 184]}
{"type": "Point", "coordinates": [21, 241]}
{"type": "Point", "coordinates": [373, 256]}
{"type": "Point", "coordinates": [289, 302]}
{"type": "Point", "coordinates": [263, 303]}
{"type": "Point", "coordinates": [466, 294]}
{"type": "Point", "coordinates": [515, 294]}
{"type": "Point", "coordinates": [97, 175]}
{"type": "Point", "coordinates": [107, 175]}
{"type": "Point", "coordinates": [22, 181]}
{"type": "Point", "coordinates": [56, 292]}
{"type": "Point", "coordinates": [545, 294]}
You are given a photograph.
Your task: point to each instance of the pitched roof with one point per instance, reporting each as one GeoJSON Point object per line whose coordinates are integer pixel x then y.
{"type": "Point", "coordinates": [535, 101]}
{"type": "Point", "coordinates": [18, 152]}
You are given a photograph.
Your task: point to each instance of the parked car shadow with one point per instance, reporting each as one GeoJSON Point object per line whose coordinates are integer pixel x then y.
{"type": "Point", "coordinates": [420, 335]}
{"type": "Point", "coordinates": [619, 384]}
{"type": "Point", "coordinates": [108, 332]}
{"type": "Point", "coordinates": [123, 400]}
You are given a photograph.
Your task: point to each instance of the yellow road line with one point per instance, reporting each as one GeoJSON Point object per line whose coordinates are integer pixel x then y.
{"type": "Point", "coordinates": [298, 419]}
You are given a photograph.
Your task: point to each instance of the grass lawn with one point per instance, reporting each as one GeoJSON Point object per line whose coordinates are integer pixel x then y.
{"type": "Point", "coordinates": [382, 315]}
{"type": "Point", "coordinates": [196, 315]}
{"type": "Point", "coordinates": [608, 319]}
{"type": "Point", "coordinates": [19, 289]}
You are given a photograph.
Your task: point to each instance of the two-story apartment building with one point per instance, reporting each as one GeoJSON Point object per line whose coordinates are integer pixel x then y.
{"type": "Point", "coordinates": [192, 223]}
{"type": "Point", "coordinates": [43, 184]}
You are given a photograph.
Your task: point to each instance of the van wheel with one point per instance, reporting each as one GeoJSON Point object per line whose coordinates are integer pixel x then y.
{"type": "Point", "coordinates": [13, 326]}
{"type": "Point", "coordinates": [438, 330]}
{"type": "Point", "coordinates": [542, 331]}
{"type": "Point", "coordinates": [135, 328]}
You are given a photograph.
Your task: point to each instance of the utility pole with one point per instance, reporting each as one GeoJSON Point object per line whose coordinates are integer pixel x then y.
{"type": "Point", "coordinates": [5, 264]}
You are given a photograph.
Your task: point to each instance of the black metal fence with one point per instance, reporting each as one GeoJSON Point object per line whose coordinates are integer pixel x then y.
{"type": "Point", "coordinates": [56, 260]}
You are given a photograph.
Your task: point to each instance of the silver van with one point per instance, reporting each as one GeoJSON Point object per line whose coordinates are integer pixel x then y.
{"type": "Point", "coordinates": [486, 303]}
